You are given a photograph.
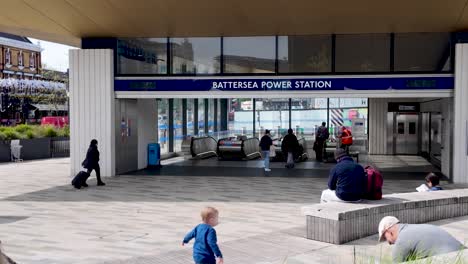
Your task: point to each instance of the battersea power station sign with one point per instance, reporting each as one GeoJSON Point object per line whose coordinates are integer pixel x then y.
{"type": "Point", "coordinates": [283, 84]}
{"type": "Point", "coordinates": [270, 85]}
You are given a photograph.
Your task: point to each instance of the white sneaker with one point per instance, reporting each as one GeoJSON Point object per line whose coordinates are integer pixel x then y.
{"type": "Point", "coordinates": [266, 169]}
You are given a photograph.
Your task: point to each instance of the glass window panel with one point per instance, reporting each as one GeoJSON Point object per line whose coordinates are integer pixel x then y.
{"type": "Point", "coordinates": [142, 56]}
{"type": "Point", "coordinates": [272, 114]}
{"type": "Point", "coordinates": [190, 117]}
{"type": "Point", "coordinates": [211, 116]}
{"type": "Point", "coordinates": [305, 54]}
{"type": "Point", "coordinates": [240, 117]}
{"type": "Point", "coordinates": [195, 55]}
{"type": "Point", "coordinates": [363, 53]}
{"type": "Point", "coordinates": [353, 114]}
{"type": "Point", "coordinates": [249, 54]}
{"type": "Point", "coordinates": [219, 114]}
{"type": "Point", "coordinates": [348, 102]}
{"type": "Point", "coordinates": [307, 114]}
{"type": "Point", "coordinates": [422, 52]}
{"type": "Point", "coordinates": [178, 129]}
{"type": "Point", "coordinates": [412, 128]}
{"type": "Point", "coordinates": [401, 128]}
{"type": "Point", "coordinates": [163, 122]}
{"type": "Point", "coordinates": [201, 117]}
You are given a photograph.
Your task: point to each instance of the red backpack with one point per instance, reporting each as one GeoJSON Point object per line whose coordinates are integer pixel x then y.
{"type": "Point", "coordinates": [374, 184]}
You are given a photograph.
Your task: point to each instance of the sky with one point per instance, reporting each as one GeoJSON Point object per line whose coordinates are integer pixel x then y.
{"type": "Point", "coordinates": [54, 55]}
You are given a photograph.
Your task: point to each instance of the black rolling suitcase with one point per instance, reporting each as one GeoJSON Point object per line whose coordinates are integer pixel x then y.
{"type": "Point", "coordinates": [79, 179]}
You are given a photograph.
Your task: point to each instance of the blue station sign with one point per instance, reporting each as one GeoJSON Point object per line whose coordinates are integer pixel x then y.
{"type": "Point", "coordinates": [286, 84]}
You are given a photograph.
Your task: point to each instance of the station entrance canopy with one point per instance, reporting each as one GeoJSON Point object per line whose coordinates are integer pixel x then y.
{"type": "Point", "coordinates": [68, 21]}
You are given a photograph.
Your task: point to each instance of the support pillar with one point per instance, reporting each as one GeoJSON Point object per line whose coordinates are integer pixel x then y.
{"type": "Point", "coordinates": [92, 107]}
{"type": "Point", "coordinates": [460, 131]}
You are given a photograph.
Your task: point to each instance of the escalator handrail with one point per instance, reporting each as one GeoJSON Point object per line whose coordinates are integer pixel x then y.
{"type": "Point", "coordinates": [242, 145]}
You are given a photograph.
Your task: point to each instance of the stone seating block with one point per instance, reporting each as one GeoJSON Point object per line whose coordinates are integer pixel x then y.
{"type": "Point", "coordinates": [339, 223]}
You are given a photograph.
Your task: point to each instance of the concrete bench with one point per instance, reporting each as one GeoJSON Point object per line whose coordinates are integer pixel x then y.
{"type": "Point", "coordinates": [340, 223]}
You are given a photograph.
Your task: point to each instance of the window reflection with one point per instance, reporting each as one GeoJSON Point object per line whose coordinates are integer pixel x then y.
{"type": "Point", "coordinates": [363, 53]}
{"type": "Point", "coordinates": [249, 54]}
{"type": "Point", "coordinates": [195, 55]}
{"type": "Point", "coordinates": [422, 52]}
{"type": "Point", "coordinates": [142, 56]}
{"type": "Point", "coordinates": [304, 53]}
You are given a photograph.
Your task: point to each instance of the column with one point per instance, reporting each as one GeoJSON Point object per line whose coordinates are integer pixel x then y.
{"type": "Point", "coordinates": [92, 110]}
{"type": "Point", "coordinates": [171, 125]}
{"type": "Point", "coordinates": [460, 131]}
{"type": "Point", "coordinates": [147, 129]}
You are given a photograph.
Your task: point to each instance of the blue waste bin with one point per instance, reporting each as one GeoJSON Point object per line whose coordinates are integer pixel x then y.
{"type": "Point", "coordinates": [154, 155]}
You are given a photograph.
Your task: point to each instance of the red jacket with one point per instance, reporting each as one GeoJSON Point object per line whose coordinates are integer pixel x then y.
{"type": "Point", "coordinates": [346, 137]}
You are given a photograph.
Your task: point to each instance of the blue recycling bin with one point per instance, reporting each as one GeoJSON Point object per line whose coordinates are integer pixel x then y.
{"type": "Point", "coordinates": [154, 155]}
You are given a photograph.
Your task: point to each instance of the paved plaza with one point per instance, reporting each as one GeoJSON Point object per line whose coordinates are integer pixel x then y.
{"type": "Point", "coordinates": [142, 219]}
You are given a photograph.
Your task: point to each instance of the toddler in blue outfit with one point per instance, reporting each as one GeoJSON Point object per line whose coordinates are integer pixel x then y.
{"type": "Point", "coordinates": [205, 249]}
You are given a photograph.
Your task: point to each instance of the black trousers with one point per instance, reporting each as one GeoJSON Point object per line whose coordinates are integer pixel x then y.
{"type": "Point", "coordinates": [97, 169]}
{"type": "Point", "coordinates": [319, 149]}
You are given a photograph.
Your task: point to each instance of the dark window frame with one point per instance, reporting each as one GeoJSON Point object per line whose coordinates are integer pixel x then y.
{"type": "Point", "coordinates": [452, 41]}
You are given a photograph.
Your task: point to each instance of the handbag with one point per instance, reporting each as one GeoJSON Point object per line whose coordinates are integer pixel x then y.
{"type": "Point", "coordinates": [272, 151]}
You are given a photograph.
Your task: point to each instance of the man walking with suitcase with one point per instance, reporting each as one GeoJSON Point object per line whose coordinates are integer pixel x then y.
{"type": "Point", "coordinates": [92, 163]}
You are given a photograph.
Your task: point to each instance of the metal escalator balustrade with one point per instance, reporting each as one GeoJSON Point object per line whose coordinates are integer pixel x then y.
{"type": "Point", "coordinates": [203, 147]}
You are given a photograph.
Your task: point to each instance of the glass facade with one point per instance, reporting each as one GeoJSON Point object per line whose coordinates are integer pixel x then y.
{"type": "Point", "coordinates": [249, 54]}
{"type": "Point", "coordinates": [190, 117]}
{"type": "Point", "coordinates": [307, 114]}
{"type": "Point", "coordinates": [178, 122]}
{"type": "Point", "coordinates": [422, 52]}
{"type": "Point", "coordinates": [346, 111]}
{"type": "Point", "coordinates": [142, 56]}
{"type": "Point", "coordinates": [240, 117]}
{"type": "Point", "coordinates": [211, 116]}
{"type": "Point", "coordinates": [272, 114]}
{"type": "Point", "coordinates": [195, 55]}
{"type": "Point", "coordinates": [363, 53]}
{"type": "Point", "coordinates": [201, 117]}
{"type": "Point", "coordinates": [305, 54]}
{"type": "Point", "coordinates": [163, 124]}
{"type": "Point", "coordinates": [303, 115]}
{"type": "Point", "coordinates": [283, 55]}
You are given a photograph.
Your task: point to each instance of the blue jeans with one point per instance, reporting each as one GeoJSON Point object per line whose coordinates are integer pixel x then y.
{"type": "Point", "coordinates": [266, 158]}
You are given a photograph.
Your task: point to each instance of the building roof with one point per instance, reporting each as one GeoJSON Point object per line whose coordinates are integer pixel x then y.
{"type": "Point", "coordinates": [67, 21]}
{"type": "Point", "coordinates": [18, 42]}
{"type": "Point", "coordinates": [14, 37]}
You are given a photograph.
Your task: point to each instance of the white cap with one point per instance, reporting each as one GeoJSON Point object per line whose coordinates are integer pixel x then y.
{"type": "Point", "coordinates": [385, 224]}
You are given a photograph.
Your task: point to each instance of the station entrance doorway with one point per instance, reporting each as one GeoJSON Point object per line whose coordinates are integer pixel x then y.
{"type": "Point", "coordinates": [406, 139]}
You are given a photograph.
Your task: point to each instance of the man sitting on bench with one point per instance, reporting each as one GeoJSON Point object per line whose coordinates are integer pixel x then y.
{"type": "Point", "coordinates": [347, 180]}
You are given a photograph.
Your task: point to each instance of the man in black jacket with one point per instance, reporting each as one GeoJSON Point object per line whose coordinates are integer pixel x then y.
{"type": "Point", "coordinates": [92, 162]}
{"type": "Point", "coordinates": [289, 146]}
{"type": "Point", "coordinates": [265, 144]}
{"type": "Point", "coordinates": [321, 136]}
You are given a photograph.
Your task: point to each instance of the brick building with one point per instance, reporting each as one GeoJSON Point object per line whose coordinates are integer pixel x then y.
{"type": "Point", "coordinates": [19, 58]}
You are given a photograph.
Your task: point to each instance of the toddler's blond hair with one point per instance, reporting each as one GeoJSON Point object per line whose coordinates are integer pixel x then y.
{"type": "Point", "coordinates": [208, 212]}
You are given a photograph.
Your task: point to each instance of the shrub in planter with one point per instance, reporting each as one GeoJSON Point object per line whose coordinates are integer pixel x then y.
{"type": "Point", "coordinates": [50, 131]}
{"type": "Point", "coordinates": [11, 134]}
{"type": "Point", "coordinates": [64, 132]}
{"type": "Point", "coordinates": [23, 129]}
{"type": "Point", "coordinates": [30, 134]}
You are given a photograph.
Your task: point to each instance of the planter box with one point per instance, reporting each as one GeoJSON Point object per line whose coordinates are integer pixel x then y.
{"type": "Point", "coordinates": [5, 152]}
{"type": "Point", "coordinates": [36, 148]}
{"type": "Point", "coordinates": [60, 147]}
